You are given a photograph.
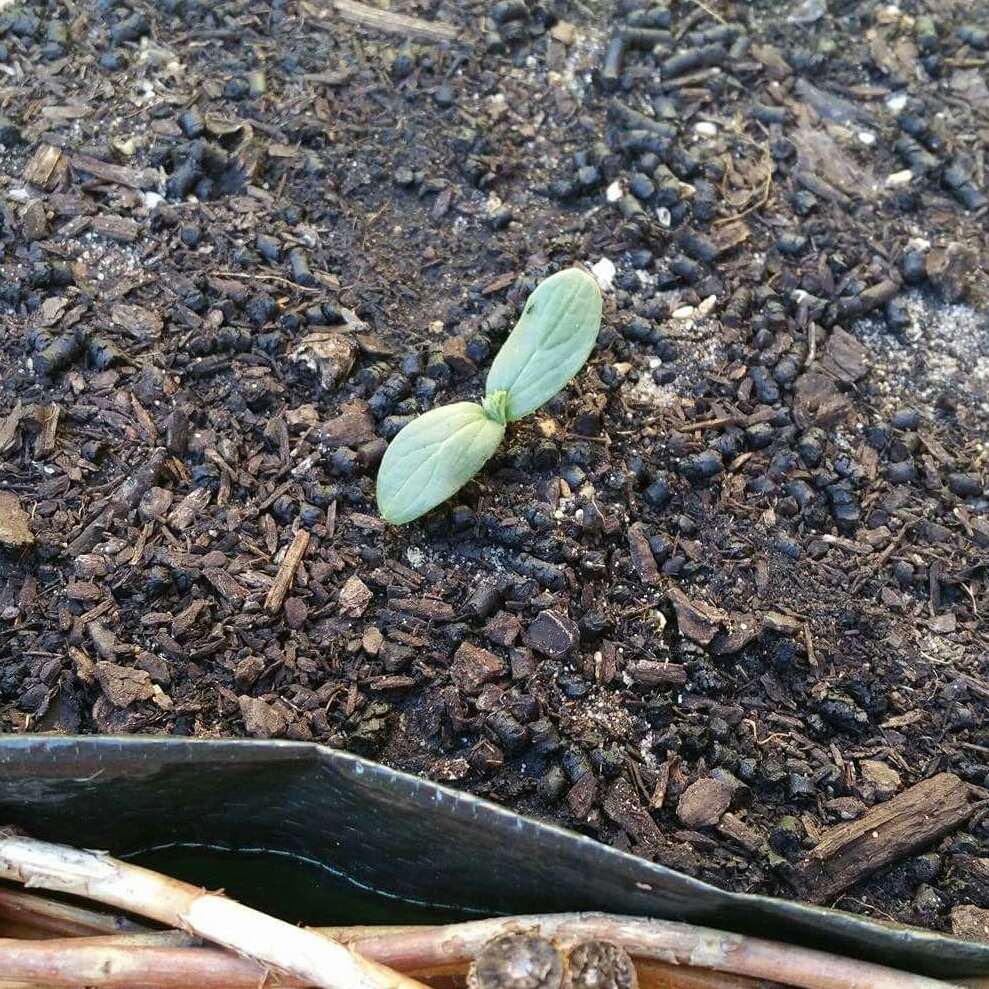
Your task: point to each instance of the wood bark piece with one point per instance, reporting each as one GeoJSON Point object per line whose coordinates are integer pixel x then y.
{"type": "Point", "coordinates": [385, 20]}
{"type": "Point", "coordinates": [316, 959]}
{"type": "Point", "coordinates": [15, 530]}
{"type": "Point", "coordinates": [886, 833]}
{"type": "Point", "coordinates": [286, 571]}
{"type": "Point", "coordinates": [133, 178]}
{"type": "Point", "coordinates": [46, 167]}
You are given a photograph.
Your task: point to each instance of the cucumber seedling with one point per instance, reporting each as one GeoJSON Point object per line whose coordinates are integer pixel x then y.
{"type": "Point", "coordinates": [435, 455]}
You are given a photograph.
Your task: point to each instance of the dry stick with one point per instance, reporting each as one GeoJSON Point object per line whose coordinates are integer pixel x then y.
{"type": "Point", "coordinates": [434, 949]}
{"type": "Point", "coordinates": [286, 571]}
{"type": "Point", "coordinates": [119, 962]}
{"type": "Point", "coordinates": [61, 963]}
{"type": "Point", "coordinates": [655, 945]}
{"type": "Point", "coordinates": [657, 940]}
{"type": "Point", "coordinates": [317, 960]}
{"type": "Point", "coordinates": [51, 918]}
{"type": "Point", "coordinates": [658, 975]}
{"type": "Point", "coordinates": [384, 20]}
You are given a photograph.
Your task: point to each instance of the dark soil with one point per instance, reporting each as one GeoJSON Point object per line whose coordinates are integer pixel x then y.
{"type": "Point", "coordinates": [725, 592]}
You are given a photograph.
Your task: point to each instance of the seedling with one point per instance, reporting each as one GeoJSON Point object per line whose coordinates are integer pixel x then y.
{"type": "Point", "coordinates": [435, 455]}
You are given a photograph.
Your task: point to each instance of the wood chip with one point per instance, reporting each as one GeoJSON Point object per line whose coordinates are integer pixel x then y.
{"type": "Point", "coordinates": [10, 426]}
{"type": "Point", "coordinates": [642, 555]}
{"type": "Point", "coordinates": [697, 621]}
{"type": "Point", "coordinates": [886, 833]}
{"type": "Point", "coordinates": [355, 596]}
{"type": "Point", "coordinates": [121, 228]}
{"type": "Point", "coordinates": [261, 719]}
{"type": "Point", "coordinates": [473, 667]}
{"type": "Point", "coordinates": [46, 167]}
{"type": "Point", "coordinates": [15, 531]}
{"type": "Point", "coordinates": [703, 803]}
{"type": "Point", "coordinates": [286, 571]}
{"type": "Point", "coordinates": [133, 178]}
{"type": "Point", "coordinates": [189, 509]}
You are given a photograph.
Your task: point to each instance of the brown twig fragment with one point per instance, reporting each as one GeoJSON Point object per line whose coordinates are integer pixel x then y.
{"type": "Point", "coordinates": [286, 572]}
{"type": "Point", "coordinates": [391, 23]}
{"type": "Point", "coordinates": [311, 957]}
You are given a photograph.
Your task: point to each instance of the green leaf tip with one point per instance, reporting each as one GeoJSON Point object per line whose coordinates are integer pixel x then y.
{"type": "Point", "coordinates": [494, 406]}
{"type": "Point", "coordinates": [550, 343]}
{"type": "Point", "coordinates": [433, 457]}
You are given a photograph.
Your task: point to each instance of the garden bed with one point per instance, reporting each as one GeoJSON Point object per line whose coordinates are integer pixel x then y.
{"type": "Point", "coordinates": [720, 603]}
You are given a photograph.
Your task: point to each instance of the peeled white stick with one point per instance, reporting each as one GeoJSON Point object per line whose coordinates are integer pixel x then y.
{"type": "Point", "coordinates": [315, 959]}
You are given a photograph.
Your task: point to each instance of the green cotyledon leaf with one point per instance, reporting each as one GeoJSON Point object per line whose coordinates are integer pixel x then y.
{"type": "Point", "coordinates": [550, 343]}
{"type": "Point", "coordinates": [433, 457]}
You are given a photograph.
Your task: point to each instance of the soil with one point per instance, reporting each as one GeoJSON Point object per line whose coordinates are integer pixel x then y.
{"type": "Point", "coordinates": [720, 603]}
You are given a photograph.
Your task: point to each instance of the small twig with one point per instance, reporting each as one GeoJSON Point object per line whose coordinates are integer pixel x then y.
{"type": "Point", "coordinates": [51, 918]}
{"type": "Point", "coordinates": [880, 561]}
{"type": "Point", "coordinates": [286, 572]}
{"type": "Point", "coordinates": [316, 959]}
{"type": "Point", "coordinates": [811, 345]}
{"type": "Point", "coordinates": [384, 20]}
{"type": "Point", "coordinates": [707, 10]}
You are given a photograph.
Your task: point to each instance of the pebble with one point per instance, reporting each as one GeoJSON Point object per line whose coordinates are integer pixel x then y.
{"type": "Point", "coordinates": [965, 485]}
{"type": "Point", "coordinates": [906, 419]}
{"type": "Point", "coordinates": [759, 435]}
{"type": "Point", "coordinates": [131, 28]}
{"type": "Point", "coordinates": [604, 272]}
{"type": "Point", "coordinates": [588, 177]}
{"type": "Point", "coordinates": [238, 88]}
{"type": "Point", "coordinates": [702, 466]}
{"type": "Point", "coordinates": [298, 262]}
{"type": "Point", "coordinates": [765, 387]}
{"type": "Point", "coordinates": [800, 788]}
{"type": "Point", "coordinates": [896, 180]}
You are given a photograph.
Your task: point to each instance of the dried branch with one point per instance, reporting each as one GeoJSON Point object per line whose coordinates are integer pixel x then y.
{"type": "Point", "coordinates": [666, 954]}
{"type": "Point", "coordinates": [652, 940]}
{"type": "Point", "coordinates": [315, 959]}
{"type": "Point", "coordinates": [50, 918]}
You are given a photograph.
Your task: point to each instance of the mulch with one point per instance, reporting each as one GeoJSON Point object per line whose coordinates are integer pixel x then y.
{"type": "Point", "coordinates": [720, 603]}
